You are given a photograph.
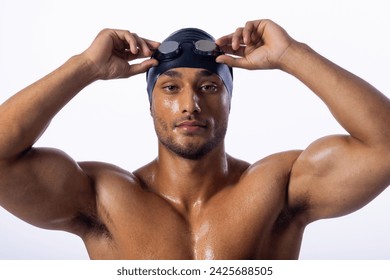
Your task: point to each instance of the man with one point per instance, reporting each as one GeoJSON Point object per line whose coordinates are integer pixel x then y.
{"type": "Point", "coordinates": [194, 201]}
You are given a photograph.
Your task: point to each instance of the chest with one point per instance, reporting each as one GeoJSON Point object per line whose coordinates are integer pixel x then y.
{"type": "Point", "coordinates": [225, 229]}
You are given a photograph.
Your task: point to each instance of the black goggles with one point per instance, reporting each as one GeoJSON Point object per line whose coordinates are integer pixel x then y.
{"type": "Point", "coordinates": [171, 49]}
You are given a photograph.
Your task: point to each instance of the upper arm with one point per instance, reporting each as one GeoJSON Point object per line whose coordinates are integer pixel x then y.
{"type": "Point", "coordinates": [46, 188]}
{"type": "Point", "coordinates": [337, 175]}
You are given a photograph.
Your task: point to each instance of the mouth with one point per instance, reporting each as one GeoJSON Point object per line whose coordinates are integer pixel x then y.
{"type": "Point", "coordinates": [191, 126]}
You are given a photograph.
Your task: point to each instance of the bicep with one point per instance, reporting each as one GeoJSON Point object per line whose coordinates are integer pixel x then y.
{"type": "Point", "coordinates": [337, 175]}
{"type": "Point", "coordinates": [45, 187]}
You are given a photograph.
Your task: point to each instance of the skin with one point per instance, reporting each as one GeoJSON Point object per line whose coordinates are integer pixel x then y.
{"type": "Point", "coordinates": [194, 201]}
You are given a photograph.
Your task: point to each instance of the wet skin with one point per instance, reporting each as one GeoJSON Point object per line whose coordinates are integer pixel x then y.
{"type": "Point", "coordinates": [243, 217]}
{"type": "Point", "coordinates": [194, 202]}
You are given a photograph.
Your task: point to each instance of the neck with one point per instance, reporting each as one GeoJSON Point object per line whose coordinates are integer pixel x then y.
{"type": "Point", "coordinates": [186, 182]}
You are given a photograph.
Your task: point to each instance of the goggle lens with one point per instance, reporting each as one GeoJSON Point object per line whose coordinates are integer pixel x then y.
{"type": "Point", "coordinates": [170, 49]}
{"type": "Point", "coordinates": [205, 46]}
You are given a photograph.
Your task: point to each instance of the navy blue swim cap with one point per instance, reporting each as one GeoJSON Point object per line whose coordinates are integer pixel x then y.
{"type": "Point", "coordinates": [185, 48]}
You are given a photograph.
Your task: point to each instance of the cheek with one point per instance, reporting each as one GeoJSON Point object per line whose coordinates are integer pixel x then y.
{"type": "Point", "coordinates": [163, 108]}
{"type": "Point", "coordinates": [221, 107]}
{"type": "Point", "coordinates": [171, 105]}
{"type": "Point", "coordinates": [165, 105]}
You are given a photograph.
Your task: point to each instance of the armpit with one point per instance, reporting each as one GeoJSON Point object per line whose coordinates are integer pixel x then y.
{"type": "Point", "coordinates": [89, 224]}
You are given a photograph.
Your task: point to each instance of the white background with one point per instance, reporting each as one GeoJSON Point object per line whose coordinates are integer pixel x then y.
{"type": "Point", "coordinates": [271, 111]}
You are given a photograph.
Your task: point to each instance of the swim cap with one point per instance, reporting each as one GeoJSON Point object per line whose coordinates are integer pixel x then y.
{"type": "Point", "coordinates": [188, 47]}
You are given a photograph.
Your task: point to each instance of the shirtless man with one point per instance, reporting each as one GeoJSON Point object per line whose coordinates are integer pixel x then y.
{"type": "Point", "coordinates": [194, 201]}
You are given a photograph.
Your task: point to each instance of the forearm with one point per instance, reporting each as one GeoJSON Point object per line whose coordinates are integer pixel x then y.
{"type": "Point", "coordinates": [360, 108]}
{"type": "Point", "coordinates": [25, 116]}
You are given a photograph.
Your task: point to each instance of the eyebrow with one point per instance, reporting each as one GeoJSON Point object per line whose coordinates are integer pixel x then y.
{"type": "Point", "coordinates": [205, 73]}
{"type": "Point", "coordinates": [173, 74]}
{"type": "Point", "coordinates": [176, 74]}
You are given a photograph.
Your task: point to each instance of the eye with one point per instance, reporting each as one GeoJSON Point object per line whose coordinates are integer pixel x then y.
{"type": "Point", "coordinates": [209, 88]}
{"type": "Point", "coordinates": [171, 88]}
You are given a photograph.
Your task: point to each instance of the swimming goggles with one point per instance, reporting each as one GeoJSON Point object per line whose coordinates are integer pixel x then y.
{"type": "Point", "coordinates": [171, 49]}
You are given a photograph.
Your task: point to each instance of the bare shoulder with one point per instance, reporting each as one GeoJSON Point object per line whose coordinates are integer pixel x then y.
{"type": "Point", "coordinates": [108, 175]}
{"type": "Point", "coordinates": [97, 168]}
{"type": "Point", "coordinates": [270, 178]}
{"type": "Point", "coordinates": [278, 164]}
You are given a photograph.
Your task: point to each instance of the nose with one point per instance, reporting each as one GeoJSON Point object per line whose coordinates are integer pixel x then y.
{"type": "Point", "coordinates": [190, 102]}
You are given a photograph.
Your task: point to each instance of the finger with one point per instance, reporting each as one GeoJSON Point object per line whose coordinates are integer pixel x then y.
{"type": "Point", "coordinates": [224, 40]}
{"type": "Point", "coordinates": [144, 66]}
{"type": "Point", "coordinates": [233, 40]}
{"type": "Point", "coordinates": [123, 43]}
{"type": "Point", "coordinates": [232, 61]}
{"type": "Point", "coordinates": [119, 41]}
{"type": "Point", "coordinates": [134, 43]}
{"type": "Point", "coordinates": [137, 47]}
{"type": "Point", "coordinates": [138, 68]}
{"type": "Point", "coordinates": [237, 38]}
{"type": "Point", "coordinates": [143, 46]}
{"type": "Point", "coordinates": [247, 32]}
{"type": "Point", "coordinates": [228, 49]}
{"type": "Point", "coordinates": [253, 32]}
{"type": "Point", "coordinates": [152, 45]}
{"type": "Point", "coordinates": [133, 40]}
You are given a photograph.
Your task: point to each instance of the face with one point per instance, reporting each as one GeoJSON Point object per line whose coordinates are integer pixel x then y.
{"type": "Point", "coordinates": [190, 108]}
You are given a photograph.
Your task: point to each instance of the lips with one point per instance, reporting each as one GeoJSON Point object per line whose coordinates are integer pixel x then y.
{"type": "Point", "coordinates": [191, 126]}
{"type": "Point", "coordinates": [191, 123]}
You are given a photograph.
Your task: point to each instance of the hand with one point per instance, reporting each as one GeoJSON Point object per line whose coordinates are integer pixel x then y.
{"type": "Point", "coordinates": [261, 44]}
{"type": "Point", "coordinates": [112, 50]}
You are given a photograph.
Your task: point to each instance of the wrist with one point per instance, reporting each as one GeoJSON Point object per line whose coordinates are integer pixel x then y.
{"type": "Point", "coordinates": [74, 75]}
{"type": "Point", "coordinates": [294, 56]}
{"type": "Point", "coordinates": [89, 71]}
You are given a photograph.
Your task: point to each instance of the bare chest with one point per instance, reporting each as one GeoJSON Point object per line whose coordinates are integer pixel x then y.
{"type": "Point", "coordinates": [244, 220]}
{"type": "Point", "coordinates": [230, 231]}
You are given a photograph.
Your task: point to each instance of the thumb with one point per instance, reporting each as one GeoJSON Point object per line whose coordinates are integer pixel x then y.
{"type": "Point", "coordinates": [142, 67]}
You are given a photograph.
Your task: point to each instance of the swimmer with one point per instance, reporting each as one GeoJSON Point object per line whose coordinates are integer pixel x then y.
{"type": "Point", "coordinates": [194, 201]}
